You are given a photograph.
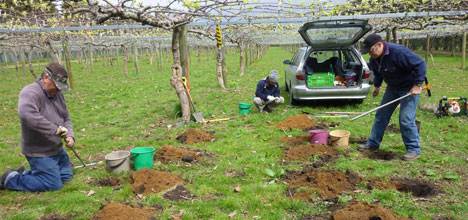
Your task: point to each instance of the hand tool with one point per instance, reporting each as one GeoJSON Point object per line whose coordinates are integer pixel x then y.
{"type": "Point", "coordinates": [379, 107]}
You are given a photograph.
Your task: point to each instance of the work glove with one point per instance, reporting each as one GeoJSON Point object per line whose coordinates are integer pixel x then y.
{"type": "Point", "coordinates": [270, 98]}
{"type": "Point", "coordinates": [69, 142]}
{"type": "Point", "coordinates": [376, 91]}
{"type": "Point", "coordinates": [62, 131]}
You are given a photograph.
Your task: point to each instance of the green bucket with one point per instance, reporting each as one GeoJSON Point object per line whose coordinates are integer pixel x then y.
{"type": "Point", "coordinates": [244, 108]}
{"type": "Point", "coordinates": [142, 157]}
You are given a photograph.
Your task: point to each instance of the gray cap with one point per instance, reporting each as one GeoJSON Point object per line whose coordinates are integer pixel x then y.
{"type": "Point", "coordinates": [58, 74]}
{"type": "Point", "coordinates": [273, 76]}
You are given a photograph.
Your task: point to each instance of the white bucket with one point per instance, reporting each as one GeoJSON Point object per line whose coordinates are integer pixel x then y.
{"type": "Point", "coordinates": [118, 161]}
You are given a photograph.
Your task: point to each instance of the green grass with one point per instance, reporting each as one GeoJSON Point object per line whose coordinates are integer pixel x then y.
{"type": "Point", "coordinates": [111, 111]}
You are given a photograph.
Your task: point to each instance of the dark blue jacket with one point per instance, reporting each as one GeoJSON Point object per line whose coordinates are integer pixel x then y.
{"type": "Point", "coordinates": [263, 91]}
{"type": "Point", "coordinates": [399, 67]}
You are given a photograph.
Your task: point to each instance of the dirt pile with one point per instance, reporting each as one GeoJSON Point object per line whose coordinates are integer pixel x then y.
{"type": "Point", "coordinates": [381, 155]}
{"type": "Point", "coordinates": [55, 217]}
{"type": "Point", "coordinates": [179, 193]}
{"type": "Point", "coordinates": [292, 141]}
{"type": "Point", "coordinates": [304, 152]}
{"type": "Point", "coordinates": [168, 154]}
{"type": "Point", "coordinates": [117, 211]}
{"type": "Point", "coordinates": [297, 121]}
{"type": "Point", "coordinates": [110, 181]}
{"type": "Point", "coordinates": [152, 181]}
{"type": "Point", "coordinates": [364, 211]}
{"type": "Point", "coordinates": [418, 188]}
{"type": "Point", "coordinates": [192, 136]}
{"type": "Point", "coordinates": [327, 183]}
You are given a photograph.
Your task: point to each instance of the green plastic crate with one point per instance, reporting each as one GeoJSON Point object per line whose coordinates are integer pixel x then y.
{"type": "Point", "coordinates": [320, 80]}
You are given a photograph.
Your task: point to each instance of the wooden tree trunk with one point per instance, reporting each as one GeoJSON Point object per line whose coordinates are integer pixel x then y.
{"type": "Point", "coordinates": [54, 54]}
{"type": "Point", "coordinates": [15, 54]}
{"type": "Point", "coordinates": [135, 59]}
{"type": "Point", "coordinates": [31, 69]}
{"type": "Point", "coordinates": [242, 58]}
{"type": "Point", "coordinates": [388, 33]}
{"type": "Point", "coordinates": [125, 60]}
{"type": "Point", "coordinates": [395, 35]}
{"type": "Point", "coordinates": [160, 56]}
{"type": "Point", "coordinates": [223, 63]}
{"type": "Point", "coordinates": [452, 45]}
{"type": "Point", "coordinates": [464, 51]}
{"type": "Point", "coordinates": [176, 79]}
{"type": "Point", "coordinates": [219, 68]}
{"type": "Point", "coordinates": [66, 53]}
{"type": "Point", "coordinates": [428, 48]}
{"type": "Point", "coordinates": [23, 62]}
{"type": "Point", "coordinates": [184, 55]}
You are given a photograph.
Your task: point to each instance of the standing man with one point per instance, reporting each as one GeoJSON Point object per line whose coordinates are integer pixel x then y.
{"type": "Point", "coordinates": [404, 72]}
{"type": "Point", "coordinates": [267, 94]}
{"type": "Point", "coordinates": [44, 123]}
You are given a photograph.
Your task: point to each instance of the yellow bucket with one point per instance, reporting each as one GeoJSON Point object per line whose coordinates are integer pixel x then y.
{"type": "Point", "coordinates": [340, 138]}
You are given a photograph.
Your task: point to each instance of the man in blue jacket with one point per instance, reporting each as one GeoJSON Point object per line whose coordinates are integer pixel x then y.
{"type": "Point", "coordinates": [267, 94]}
{"type": "Point", "coordinates": [404, 72]}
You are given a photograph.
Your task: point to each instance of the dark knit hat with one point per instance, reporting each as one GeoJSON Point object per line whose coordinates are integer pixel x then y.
{"type": "Point", "coordinates": [58, 74]}
{"type": "Point", "coordinates": [370, 40]}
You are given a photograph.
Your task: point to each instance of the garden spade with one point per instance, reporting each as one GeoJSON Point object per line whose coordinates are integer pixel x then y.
{"type": "Point", "coordinates": [77, 156]}
{"type": "Point", "coordinates": [197, 115]}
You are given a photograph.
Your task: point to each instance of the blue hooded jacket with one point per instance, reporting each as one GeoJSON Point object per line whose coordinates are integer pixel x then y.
{"type": "Point", "coordinates": [263, 91]}
{"type": "Point", "coordinates": [399, 67]}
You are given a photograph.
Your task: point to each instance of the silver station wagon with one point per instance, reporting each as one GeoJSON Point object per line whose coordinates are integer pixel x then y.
{"type": "Point", "coordinates": [329, 67]}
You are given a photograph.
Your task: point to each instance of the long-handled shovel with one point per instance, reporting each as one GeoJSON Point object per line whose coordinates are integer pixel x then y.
{"type": "Point", "coordinates": [77, 156]}
{"type": "Point", "coordinates": [197, 115]}
{"type": "Point", "coordinates": [379, 107]}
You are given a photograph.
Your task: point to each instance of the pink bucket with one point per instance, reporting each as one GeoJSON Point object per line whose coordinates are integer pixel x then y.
{"type": "Point", "coordinates": [318, 136]}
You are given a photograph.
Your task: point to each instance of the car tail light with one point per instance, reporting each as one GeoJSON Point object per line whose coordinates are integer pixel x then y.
{"type": "Point", "coordinates": [366, 74]}
{"type": "Point", "coordinates": [300, 75]}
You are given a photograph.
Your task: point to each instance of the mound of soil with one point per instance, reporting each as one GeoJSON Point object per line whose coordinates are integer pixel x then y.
{"type": "Point", "coordinates": [304, 152]}
{"type": "Point", "coordinates": [168, 154]}
{"type": "Point", "coordinates": [297, 121]}
{"type": "Point", "coordinates": [110, 181]}
{"type": "Point", "coordinates": [327, 183]}
{"type": "Point", "coordinates": [292, 141]}
{"type": "Point", "coordinates": [152, 181]}
{"type": "Point", "coordinates": [381, 155]}
{"type": "Point", "coordinates": [364, 211]}
{"type": "Point", "coordinates": [55, 217]}
{"type": "Point", "coordinates": [192, 136]}
{"type": "Point", "coordinates": [117, 211]}
{"type": "Point", "coordinates": [179, 193]}
{"type": "Point", "coordinates": [418, 188]}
